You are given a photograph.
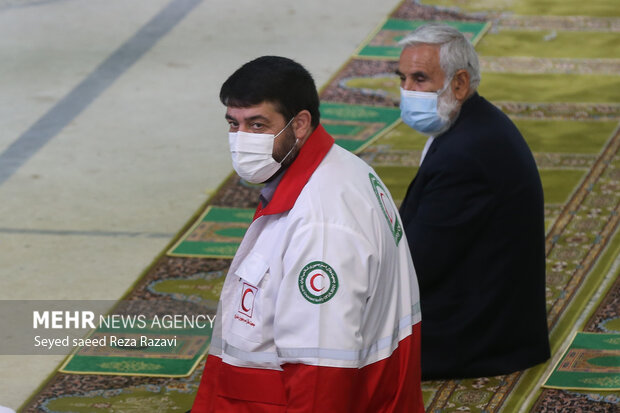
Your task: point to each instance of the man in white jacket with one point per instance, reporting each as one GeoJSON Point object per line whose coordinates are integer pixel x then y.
{"type": "Point", "coordinates": [320, 309]}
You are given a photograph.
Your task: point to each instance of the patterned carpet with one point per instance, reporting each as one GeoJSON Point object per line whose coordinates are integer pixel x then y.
{"type": "Point", "coordinates": [563, 95]}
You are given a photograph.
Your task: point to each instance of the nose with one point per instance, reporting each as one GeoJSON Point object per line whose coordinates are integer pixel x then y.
{"type": "Point", "coordinates": [407, 84]}
{"type": "Point", "coordinates": [242, 127]}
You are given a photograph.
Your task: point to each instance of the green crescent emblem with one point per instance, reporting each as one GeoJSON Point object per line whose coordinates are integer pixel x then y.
{"type": "Point", "coordinates": [318, 282]}
{"type": "Point", "coordinates": [390, 213]}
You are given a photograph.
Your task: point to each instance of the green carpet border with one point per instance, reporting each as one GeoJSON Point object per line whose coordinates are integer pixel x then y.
{"type": "Point", "coordinates": [367, 39]}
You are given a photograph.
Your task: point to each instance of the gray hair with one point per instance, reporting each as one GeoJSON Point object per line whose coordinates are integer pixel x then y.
{"type": "Point", "coordinates": [455, 51]}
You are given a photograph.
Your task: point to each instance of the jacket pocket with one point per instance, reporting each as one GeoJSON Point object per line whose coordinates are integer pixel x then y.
{"type": "Point", "coordinates": [251, 306]}
{"type": "Point", "coordinates": [253, 268]}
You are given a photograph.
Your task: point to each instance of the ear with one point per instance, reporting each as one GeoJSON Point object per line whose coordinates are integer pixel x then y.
{"type": "Point", "coordinates": [460, 85]}
{"type": "Point", "coordinates": [302, 125]}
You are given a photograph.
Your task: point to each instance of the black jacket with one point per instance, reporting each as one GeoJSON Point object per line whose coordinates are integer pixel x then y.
{"type": "Point", "coordinates": [474, 219]}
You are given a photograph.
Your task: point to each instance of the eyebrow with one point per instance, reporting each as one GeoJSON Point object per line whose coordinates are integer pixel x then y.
{"type": "Point", "coordinates": [251, 118]}
{"type": "Point", "coordinates": [414, 74]}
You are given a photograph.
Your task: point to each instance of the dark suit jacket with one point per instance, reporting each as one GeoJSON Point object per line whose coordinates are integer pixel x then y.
{"type": "Point", "coordinates": [474, 219]}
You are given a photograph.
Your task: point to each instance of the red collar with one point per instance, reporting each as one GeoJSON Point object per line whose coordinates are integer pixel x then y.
{"type": "Point", "coordinates": [298, 174]}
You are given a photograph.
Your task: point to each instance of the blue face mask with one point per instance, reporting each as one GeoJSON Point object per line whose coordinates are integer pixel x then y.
{"type": "Point", "coordinates": [419, 110]}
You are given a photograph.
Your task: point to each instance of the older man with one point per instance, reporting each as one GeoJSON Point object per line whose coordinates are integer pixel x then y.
{"type": "Point", "coordinates": [320, 308]}
{"type": "Point", "coordinates": [473, 216]}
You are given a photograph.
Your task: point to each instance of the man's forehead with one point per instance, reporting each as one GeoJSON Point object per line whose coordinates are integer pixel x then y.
{"type": "Point", "coordinates": [419, 56]}
{"type": "Point", "coordinates": [264, 110]}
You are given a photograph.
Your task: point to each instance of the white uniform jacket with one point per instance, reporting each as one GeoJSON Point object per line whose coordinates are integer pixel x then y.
{"type": "Point", "coordinates": [322, 286]}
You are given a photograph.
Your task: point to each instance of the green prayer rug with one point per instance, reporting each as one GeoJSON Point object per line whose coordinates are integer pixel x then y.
{"type": "Point", "coordinates": [383, 44]}
{"type": "Point", "coordinates": [203, 288]}
{"type": "Point", "coordinates": [355, 126]}
{"type": "Point", "coordinates": [153, 350]}
{"type": "Point", "coordinates": [591, 362]}
{"type": "Point", "coordinates": [216, 234]}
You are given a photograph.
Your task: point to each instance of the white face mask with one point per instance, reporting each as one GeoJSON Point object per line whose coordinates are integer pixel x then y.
{"type": "Point", "coordinates": [252, 154]}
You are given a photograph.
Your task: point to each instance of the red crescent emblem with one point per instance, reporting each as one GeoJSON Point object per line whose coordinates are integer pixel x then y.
{"type": "Point", "coordinates": [312, 282]}
{"type": "Point", "coordinates": [386, 209]}
{"type": "Point", "coordinates": [249, 290]}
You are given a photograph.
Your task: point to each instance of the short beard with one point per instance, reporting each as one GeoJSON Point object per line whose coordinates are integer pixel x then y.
{"type": "Point", "coordinates": [448, 109]}
{"type": "Point", "coordinates": [290, 141]}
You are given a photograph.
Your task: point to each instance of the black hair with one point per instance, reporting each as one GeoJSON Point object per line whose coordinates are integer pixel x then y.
{"type": "Point", "coordinates": [278, 80]}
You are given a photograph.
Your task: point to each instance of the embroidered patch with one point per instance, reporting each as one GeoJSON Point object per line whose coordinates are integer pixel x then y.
{"type": "Point", "coordinates": [248, 294]}
{"type": "Point", "coordinates": [389, 211]}
{"type": "Point", "coordinates": [318, 282]}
